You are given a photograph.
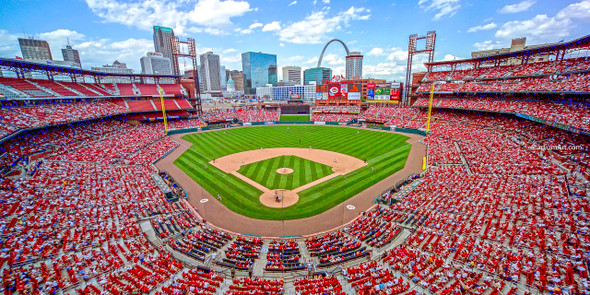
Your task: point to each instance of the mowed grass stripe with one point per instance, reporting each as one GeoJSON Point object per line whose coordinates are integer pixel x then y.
{"type": "Point", "coordinates": [375, 147]}
{"type": "Point", "coordinates": [265, 172]}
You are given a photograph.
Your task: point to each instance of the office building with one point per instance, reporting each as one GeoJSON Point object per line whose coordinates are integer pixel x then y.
{"type": "Point", "coordinates": [34, 49]}
{"type": "Point", "coordinates": [305, 92]}
{"type": "Point", "coordinates": [71, 55]}
{"type": "Point", "coordinates": [293, 74]}
{"type": "Point", "coordinates": [210, 72]}
{"type": "Point", "coordinates": [273, 75]}
{"type": "Point", "coordinates": [238, 78]}
{"type": "Point", "coordinates": [354, 66]}
{"type": "Point", "coordinates": [163, 44]}
{"type": "Point", "coordinates": [259, 69]}
{"type": "Point", "coordinates": [222, 77]}
{"type": "Point", "coordinates": [316, 74]}
{"type": "Point", "coordinates": [116, 68]}
{"type": "Point", "coordinates": [154, 63]}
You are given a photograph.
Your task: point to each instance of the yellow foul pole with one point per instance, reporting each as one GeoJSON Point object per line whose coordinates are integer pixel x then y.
{"type": "Point", "coordinates": [430, 108]}
{"type": "Point", "coordinates": [163, 109]}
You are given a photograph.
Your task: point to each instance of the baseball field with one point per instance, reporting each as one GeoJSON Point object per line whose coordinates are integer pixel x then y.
{"type": "Point", "coordinates": [384, 153]}
{"type": "Point", "coordinates": [293, 118]}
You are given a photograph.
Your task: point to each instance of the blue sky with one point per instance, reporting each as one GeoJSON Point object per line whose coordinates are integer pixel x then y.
{"type": "Point", "coordinates": [296, 31]}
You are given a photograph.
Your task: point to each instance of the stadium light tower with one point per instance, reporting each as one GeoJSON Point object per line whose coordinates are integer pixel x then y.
{"type": "Point", "coordinates": [413, 50]}
{"type": "Point", "coordinates": [192, 54]}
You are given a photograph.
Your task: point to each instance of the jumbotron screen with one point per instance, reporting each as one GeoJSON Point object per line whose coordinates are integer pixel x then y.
{"type": "Point", "coordinates": [384, 91]}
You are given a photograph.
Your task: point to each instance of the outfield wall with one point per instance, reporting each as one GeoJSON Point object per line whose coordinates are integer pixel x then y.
{"type": "Point", "coordinates": [197, 129]}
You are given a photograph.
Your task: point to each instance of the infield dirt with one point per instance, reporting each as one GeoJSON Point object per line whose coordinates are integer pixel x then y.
{"type": "Point", "coordinates": [216, 214]}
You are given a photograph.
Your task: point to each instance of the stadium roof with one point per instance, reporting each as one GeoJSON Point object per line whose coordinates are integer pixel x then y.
{"type": "Point", "coordinates": [553, 47]}
{"type": "Point", "coordinates": [33, 66]}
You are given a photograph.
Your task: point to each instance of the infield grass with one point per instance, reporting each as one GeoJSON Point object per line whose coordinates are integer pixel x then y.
{"type": "Point", "coordinates": [385, 152]}
{"type": "Point", "coordinates": [304, 171]}
{"type": "Point", "coordinates": [293, 118]}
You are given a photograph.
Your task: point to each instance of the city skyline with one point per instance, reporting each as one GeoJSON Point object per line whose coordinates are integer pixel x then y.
{"type": "Point", "coordinates": [108, 30]}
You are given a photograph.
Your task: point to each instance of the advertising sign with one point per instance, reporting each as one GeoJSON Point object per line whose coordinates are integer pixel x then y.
{"type": "Point", "coordinates": [354, 88]}
{"type": "Point", "coordinates": [354, 96]}
{"type": "Point", "coordinates": [334, 90]}
{"type": "Point", "coordinates": [371, 93]}
{"type": "Point", "coordinates": [319, 96]}
{"type": "Point", "coordinates": [344, 90]}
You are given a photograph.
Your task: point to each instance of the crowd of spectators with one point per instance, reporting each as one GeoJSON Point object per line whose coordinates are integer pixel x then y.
{"type": "Point", "coordinates": [284, 256]}
{"type": "Point", "coordinates": [568, 112]}
{"type": "Point", "coordinates": [244, 115]}
{"type": "Point", "coordinates": [53, 113]}
{"type": "Point", "coordinates": [502, 203]}
{"type": "Point", "coordinates": [570, 65]}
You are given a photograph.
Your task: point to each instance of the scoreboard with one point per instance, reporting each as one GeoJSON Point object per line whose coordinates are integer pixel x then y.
{"type": "Point", "coordinates": [384, 92]}
{"type": "Point", "coordinates": [338, 91]}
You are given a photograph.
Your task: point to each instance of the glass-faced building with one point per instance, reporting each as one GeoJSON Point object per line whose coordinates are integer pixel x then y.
{"type": "Point", "coordinates": [259, 69]}
{"type": "Point", "coordinates": [317, 74]}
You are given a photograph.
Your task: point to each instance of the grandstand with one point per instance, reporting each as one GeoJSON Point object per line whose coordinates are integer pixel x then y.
{"type": "Point", "coordinates": [502, 207]}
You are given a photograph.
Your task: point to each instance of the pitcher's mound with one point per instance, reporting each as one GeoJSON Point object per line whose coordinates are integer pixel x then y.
{"type": "Point", "coordinates": [269, 198]}
{"type": "Point", "coordinates": [284, 171]}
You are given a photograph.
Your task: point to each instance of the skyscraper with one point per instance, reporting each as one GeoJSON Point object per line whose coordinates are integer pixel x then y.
{"type": "Point", "coordinates": [259, 69]}
{"type": "Point", "coordinates": [35, 49]}
{"type": "Point", "coordinates": [163, 44]}
{"type": "Point", "coordinates": [71, 55]}
{"type": "Point", "coordinates": [238, 78]}
{"type": "Point", "coordinates": [354, 66]}
{"type": "Point", "coordinates": [293, 74]}
{"type": "Point", "coordinates": [317, 74]}
{"type": "Point", "coordinates": [273, 76]}
{"type": "Point", "coordinates": [210, 71]}
{"type": "Point", "coordinates": [154, 63]}
{"type": "Point", "coordinates": [222, 77]}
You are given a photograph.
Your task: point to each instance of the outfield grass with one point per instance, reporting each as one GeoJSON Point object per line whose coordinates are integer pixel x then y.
{"type": "Point", "coordinates": [294, 118]}
{"type": "Point", "coordinates": [385, 152]}
{"type": "Point", "coordinates": [304, 172]}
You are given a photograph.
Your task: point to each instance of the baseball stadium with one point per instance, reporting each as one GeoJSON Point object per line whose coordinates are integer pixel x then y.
{"type": "Point", "coordinates": [469, 178]}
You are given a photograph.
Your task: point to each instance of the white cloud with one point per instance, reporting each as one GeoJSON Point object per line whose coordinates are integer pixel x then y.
{"type": "Point", "coordinates": [273, 26]}
{"type": "Point", "coordinates": [326, 1]}
{"type": "Point", "coordinates": [282, 44]}
{"type": "Point", "coordinates": [543, 28]}
{"type": "Point", "coordinates": [393, 67]}
{"type": "Point", "coordinates": [540, 28]}
{"type": "Point", "coordinates": [312, 61]}
{"type": "Point", "coordinates": [293, 3]}
{"type": "Point", "coordinates": [376, 52]}
{"type": "Point", "coordinates": [450, 57]}
{"type": "Point", "coordinates": [580, 10]}
{"type": "Point", "coordinates": [143, 14]}
{"type": "Point", "coordinates": [482, 27]}
{"type": "Point", "coordinates": [518, 7]}
{"type": "Point", "coordinates": [315, 27]}
{"type": "Point", "coordinates": [93, 52]}
{"type": "Point", "coordinates": [487, 45]}
{"type": "Point", "coordinates": [397, 54]}
{"type": "Point", "coordinates": [441, 7]}
{"type": "Point", "coordinates": [255, 25]}
{"type": "Point", "coordinates": [105, 51]}
{"type": "Point", "coordinates": [9, 45]}
{"type": "Point", "coordinates": [250, 29]}
{"type": "Point", "coordinates": [332, 59]}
